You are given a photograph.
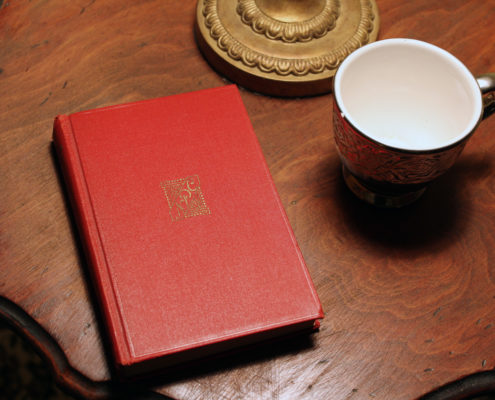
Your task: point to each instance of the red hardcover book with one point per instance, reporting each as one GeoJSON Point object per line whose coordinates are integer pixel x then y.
{"type": "Point", "coordinates": [187, 241]}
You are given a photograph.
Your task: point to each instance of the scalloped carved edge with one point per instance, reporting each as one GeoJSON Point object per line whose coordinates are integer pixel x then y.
{"type": "Point", "coordinates": [467, 388]}
{"type": "Point", "coordinates": [66, 377]}
{"type": "Point", "coordinates": [282, 66]}
{"type": "Point", "coordinates": [292, 32]}
{"type": "Point", "coordinates": [74, 382]}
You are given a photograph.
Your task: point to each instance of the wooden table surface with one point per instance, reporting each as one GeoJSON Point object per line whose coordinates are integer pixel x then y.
{"type": "Point", "coordinates": [409, 295]}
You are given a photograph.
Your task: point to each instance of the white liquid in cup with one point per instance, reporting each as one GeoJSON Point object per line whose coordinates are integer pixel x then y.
{"type": "Point", "coordinates": [408, 94]}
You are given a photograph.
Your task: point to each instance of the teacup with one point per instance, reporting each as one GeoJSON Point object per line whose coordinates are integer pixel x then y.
{"type": "Point", "coordinates": [403, 112]}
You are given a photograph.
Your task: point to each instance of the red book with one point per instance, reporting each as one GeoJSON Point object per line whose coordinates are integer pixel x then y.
{"type": "Point", "coordinates": [186, 238]}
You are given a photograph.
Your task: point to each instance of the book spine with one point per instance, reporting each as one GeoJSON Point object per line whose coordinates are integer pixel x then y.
{"type": "Point", "coordinates": [80, 201]}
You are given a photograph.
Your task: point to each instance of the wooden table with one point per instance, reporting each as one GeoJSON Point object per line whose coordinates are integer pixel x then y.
{"type": "Point", "coordinates": [409, 295]}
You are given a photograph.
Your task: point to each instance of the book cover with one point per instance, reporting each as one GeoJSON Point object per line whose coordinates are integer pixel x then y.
{"type": "Point", "coordinates": [188, 244]}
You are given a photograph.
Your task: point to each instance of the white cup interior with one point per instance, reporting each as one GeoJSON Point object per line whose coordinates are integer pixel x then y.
{"type": "Point", "coordinates": [408, 94]}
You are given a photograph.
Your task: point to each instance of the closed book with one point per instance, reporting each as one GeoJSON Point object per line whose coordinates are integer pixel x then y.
{"type": "Point", "coordinates": [187, 242]}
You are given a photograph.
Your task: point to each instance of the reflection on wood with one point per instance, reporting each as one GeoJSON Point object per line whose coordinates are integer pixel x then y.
{"type": "Point", "coordinates": [408, 295]}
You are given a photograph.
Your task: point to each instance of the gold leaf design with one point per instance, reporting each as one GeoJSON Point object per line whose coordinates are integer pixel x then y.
{"type": "Point", "coordinates": [289, 32]}
{"type": "Point", "coordinates": [185, 198]}
{"type": "Point", "coordinates": [285, 66]}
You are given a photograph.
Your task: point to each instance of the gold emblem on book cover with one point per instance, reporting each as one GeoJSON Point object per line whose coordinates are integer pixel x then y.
{"type": "Point", "coordinates": [185, 198]}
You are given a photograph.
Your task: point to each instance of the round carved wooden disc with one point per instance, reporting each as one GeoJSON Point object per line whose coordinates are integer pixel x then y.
{"type": "Point", "coordinates": [284, 48]}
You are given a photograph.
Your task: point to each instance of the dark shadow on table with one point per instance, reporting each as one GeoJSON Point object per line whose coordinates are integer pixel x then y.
{"type": "Point", "coordinates": [430, 222]}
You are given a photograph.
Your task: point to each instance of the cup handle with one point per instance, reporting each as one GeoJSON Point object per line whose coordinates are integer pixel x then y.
{"type": "Point", "coordinates": [487, 86]}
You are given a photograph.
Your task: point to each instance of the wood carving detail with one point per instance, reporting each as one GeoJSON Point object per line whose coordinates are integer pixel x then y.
{"type": "Point", "coordinates": [290, 32]}
{"type": "Point", "coordinates": [285, 66]}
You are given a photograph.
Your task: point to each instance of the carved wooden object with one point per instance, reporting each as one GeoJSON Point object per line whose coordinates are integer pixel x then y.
{"type": "Point", "coordinates": [287, 48]}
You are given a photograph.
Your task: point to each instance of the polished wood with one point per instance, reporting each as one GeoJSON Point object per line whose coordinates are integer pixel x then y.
{"type": "Point", "coordinates": [409, 295]}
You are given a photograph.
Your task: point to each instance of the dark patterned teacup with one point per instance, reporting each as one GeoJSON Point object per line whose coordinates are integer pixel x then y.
{"type": "Point", "coordinates": [403, 112]}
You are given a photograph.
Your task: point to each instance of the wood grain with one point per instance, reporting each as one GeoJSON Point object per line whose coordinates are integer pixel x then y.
{"type": "Point", "coordinates": [409, 295]}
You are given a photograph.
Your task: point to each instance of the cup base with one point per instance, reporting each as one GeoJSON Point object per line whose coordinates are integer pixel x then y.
{"type": "Point", "coordinates": [379, 198]}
